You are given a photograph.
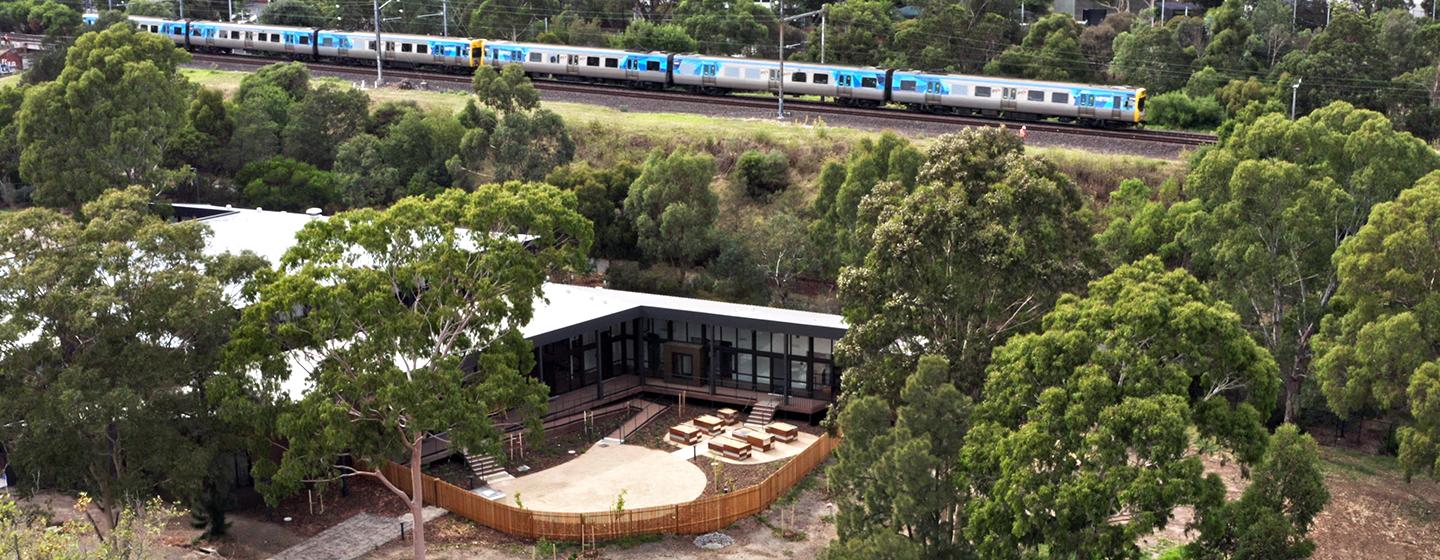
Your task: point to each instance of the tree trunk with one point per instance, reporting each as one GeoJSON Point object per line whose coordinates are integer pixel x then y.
{"type": "Point", "coordinates": [417, 504]}
{"type": "Point", "coordinates": [1292, 396]}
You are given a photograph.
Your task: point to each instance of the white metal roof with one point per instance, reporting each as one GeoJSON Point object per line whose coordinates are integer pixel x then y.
{"type": "Point", "coordinates": [269, 234]}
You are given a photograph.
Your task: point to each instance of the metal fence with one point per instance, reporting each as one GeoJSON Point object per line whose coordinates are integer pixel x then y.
{"type": "Point", "coordinates": [698, 516]}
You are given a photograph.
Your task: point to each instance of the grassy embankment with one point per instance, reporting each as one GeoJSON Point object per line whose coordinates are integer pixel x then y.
{"type": "Point", "coordinates": [11, 80]}
{"type": "Point", "coordinates": [606, 135]}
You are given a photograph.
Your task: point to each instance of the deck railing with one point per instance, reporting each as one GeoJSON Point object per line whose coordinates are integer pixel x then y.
{"type": "Point", "coordinates": [694, 517]}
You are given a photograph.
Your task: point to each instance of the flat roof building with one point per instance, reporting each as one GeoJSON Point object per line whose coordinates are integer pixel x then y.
{"type": "Point", "coordinates": [597, 345]}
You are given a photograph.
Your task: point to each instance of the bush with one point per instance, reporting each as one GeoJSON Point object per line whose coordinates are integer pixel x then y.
{"type": "Point", "coordinates": [281, 183]}
{"type": "Point", "coordinates": [658, 279]}
{"type": "Point", "coordinates": [1178, 110]}
{"type": "Point", "coordinates": [761, 175]}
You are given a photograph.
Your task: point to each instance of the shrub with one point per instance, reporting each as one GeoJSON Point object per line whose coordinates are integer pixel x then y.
{"type": "Point", "coordinates": [1177, 109]}
{"type": "Point", "coordinates": [762, 174]}
{"type": "Point", "coordinates": [281, 183]}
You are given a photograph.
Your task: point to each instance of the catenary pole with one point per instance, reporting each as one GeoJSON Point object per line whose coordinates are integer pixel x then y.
{"type": "Point", "coordinates": [780, 28]}
{"type": "Point", "coordinates": [445, 17]}
{"type": "Point", "coordinates": [1294, 93]}
{"type": "Point", "coordinates": [823, 12]}
{"type": "Point", "coordinates": [379, 62]}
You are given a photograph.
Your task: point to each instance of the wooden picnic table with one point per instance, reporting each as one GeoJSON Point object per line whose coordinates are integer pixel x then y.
{"type": "Point", "coordinates": [756, 438]}
{"type": "Point", "coordinates": [708, 423]}
{"type": "Point", "coordinates": [731, 448]}
{"type": "Point", "coordinates": [783, 431]}
{"type": "Point", "coordinates": [729, 415]}
{"type": "Point", "coordinates": [685, 433]}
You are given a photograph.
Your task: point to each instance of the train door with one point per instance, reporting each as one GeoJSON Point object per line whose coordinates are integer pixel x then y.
{"type": "Point", "coordinates": [1007, 98]}
{"type": "Point", "coordinates": [249, 39]}
{"type": "Point", "coordinates": [342, 46]}
{"type": "Point", "coordinates": [707, 73]}
{"type": "Point", "coordinates": [572, 64]}
{"type": "Point", "coordinates": [1086, 103]}
{"type": "Point", "coordinates": [845, 86]}
{"type": "Point", "coordinates": [932, 93]}
{"type": "Point", "coordinates": [1116, 104]}
{"type": "Point", "coordinates": [288, 39]}
{"type": "Point", "coordinates": [773, 75]}
{"type": "Point", "coordinates": [632, 69]}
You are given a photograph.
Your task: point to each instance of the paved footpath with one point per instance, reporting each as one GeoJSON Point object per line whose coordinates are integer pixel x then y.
{"type": "Point", "coordinates": [354, 537]}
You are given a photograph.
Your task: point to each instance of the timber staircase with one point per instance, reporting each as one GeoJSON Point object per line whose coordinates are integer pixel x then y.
{"type": "Point", "coordinates": [485, 468]}
{"type": "Point", "coordinates": [763, 411]}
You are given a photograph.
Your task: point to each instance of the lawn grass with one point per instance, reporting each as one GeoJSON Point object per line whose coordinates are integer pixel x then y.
{"type": "Point", "coordinates": [11, 80]}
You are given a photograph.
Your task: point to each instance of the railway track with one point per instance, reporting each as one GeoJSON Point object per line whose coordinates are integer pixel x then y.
{"type": "Point", "coordinates": [1155, 136]}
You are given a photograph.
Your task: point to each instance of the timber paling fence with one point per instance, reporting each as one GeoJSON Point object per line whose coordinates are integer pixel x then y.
{"type": "Point", "coordinates": [703, 515]}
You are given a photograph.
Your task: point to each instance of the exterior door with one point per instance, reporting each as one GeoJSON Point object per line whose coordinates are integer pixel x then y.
{"type": "Point", "coordinates": [572, 64]}
{"type": "Point", "coordinates": [1116, 104]}
{"type": "Point", "coordinates": [774, 75]}
{"type": "Point", "coordinates": [1086, 103]}
{"type": "Point", "coordinates": [932, 93]}
{"type": "Point", "coordinates": [1007, 98]}
{"type": "Point", "coordinates": [249, 39]}
{"type": "Point", "coordinates": [632, 69]}
{"type": "Point", "coordinates": [844, 85]}
{"type": "Point", "coordinates": [389, 50]}
{"type": "Point", "coordinates": [707, 73]}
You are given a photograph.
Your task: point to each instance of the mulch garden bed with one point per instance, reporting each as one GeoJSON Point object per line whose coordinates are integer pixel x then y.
{"type": "Point", "coordinates": [367, 495]}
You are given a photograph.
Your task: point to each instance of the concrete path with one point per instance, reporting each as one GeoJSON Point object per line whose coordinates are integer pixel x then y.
{"type": "Point", "coordinates": [354, 537]}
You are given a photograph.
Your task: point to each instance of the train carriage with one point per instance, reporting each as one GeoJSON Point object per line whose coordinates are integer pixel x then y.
{"type": "Point", "coordinates": [1018, 98]}
{"type": "Point", "coordinates": [588, 63]}
{"type": "Point", "coordinates": [713, 74]}
{"type": "Point", "coordinates": [173, 29]}
{"type": "Point", "coordinates": [215, 35]}
{"type": "Point", "coordinates": [990, 96]}
{"type": "Point", "coordinates": [420, 50]}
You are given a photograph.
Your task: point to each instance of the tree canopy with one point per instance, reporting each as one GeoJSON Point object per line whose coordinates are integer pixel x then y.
{"type": "Point", "coordinates": [106, 121]}
{"type": "Point", "coordinates": [1083, 441]}
{"type": "Point", "coordinates": [1380, 352]}
{"type": "Point", "coordinates": [1275, 198]}
{"type": "Point", "coordinates": [987, 240]}
{"type": "Point", "coordinates": [409, 326]}
{"type": "Point", "coordinates": [673, 207]}
{"type": "Point", "coordinates": [112, 325]}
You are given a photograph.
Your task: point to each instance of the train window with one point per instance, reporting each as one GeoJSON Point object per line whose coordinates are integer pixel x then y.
{"type": "Point", "coordinates": [612, 62]}
{"type": "Point", "coordinates": [304, 39]}
{"type": "Point", "coordinates": [592, 61]}
{"type": "Point", "coordinates": [405, 47]}
{"type": "Point", "coordinates": [1059, 97]}
{"type": "Point", "coordinates": [1033, 95]}
{"type": "Point", "coordinates": [822, 79]}
{"type": "Point", "coordinates": [573, 59]}
{"type": "Point", "coordinates": [390, 45]}
{"type": "Point", "coordinates": [1116, 103]}
{"type": "Point", "coordinates": [370, 45]}
{"type": "Point", "coordinates": [194, 31]}
{"type": "Point", "coordinates": [422, 49]}
{"type": "Point", "coordinates": [869, 82]}
{"type": "Point", "coordinates": [982, 91]}
{"type": "Point", "coordinates": [907, 85]}
{"type": "Point", "coordinates": [177, 30]}
{"type": "Point", "coordinates": [798, 77]}
{"type": "Point", "coordinates": [274, 37]}
{"type": "Point", "coordinates": [536, 57]}
{"type": "Point", "coordinates": [652, 66]}
{"type": "Point", "coordinates": [327, 41]}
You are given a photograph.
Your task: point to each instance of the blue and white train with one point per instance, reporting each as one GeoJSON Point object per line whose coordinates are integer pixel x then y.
{"type": "Point", "coordinates": [1091, 105]}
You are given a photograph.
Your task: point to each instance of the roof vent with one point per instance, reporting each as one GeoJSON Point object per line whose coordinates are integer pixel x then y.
{"type": "Point", "coordinates": [313, 211]}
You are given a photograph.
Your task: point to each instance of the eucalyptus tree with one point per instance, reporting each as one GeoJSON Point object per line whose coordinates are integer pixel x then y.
{"type": "Point", "coordinates": [111, 326]}
{"type": "Point", "coordinates": [407, 324]}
